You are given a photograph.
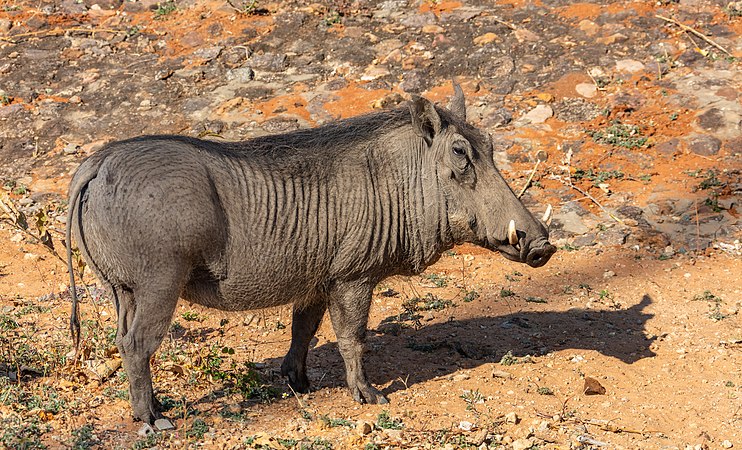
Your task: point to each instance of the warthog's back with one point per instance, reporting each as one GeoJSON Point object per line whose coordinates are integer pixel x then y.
{"type": "Point", "coordinates": [249, 230]}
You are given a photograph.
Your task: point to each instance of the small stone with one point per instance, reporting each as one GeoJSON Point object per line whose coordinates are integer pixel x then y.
{"type": "Point", "coordinates": [5, 25]}
{"type": "Point", "coordinates": [433, 29]}
{"type": "Point", "coordinates": [524, 35]}
{"type": "Point", "coordinates": [501, 374]}
{"type": "Point", "coordinates": [629, 65]}
{"type": "Point", "coordinates": [145, 430]}
{"type": "Point", "coordinates": [461, 377]}
{"type": "Point", "coordinates": [609, 274]}
{"type": "Point", "coordinates": [522, 444]}
{"type": "Point", "coordinates": [486, 38]}
{"type": "Point", "coordinates": [70, 149]}
{"type": "Point", "coordinates": [589, 27]}
{"type": "Point", "coordinates": [146, 103]}
{"type": "Point", "coordinates": [512, 417]}
{"type": "Point", "coordinates": [587, 90]}
{"type": "Point", "coordinates": [271, 62]}
{"type": "Point", "coordinates": [363, 428]}
{"type": "Point", "coordinates": [539, 114]}
{"type": "Point", "coordinates": [163, 424]}
{"type": "Point", "coordinates": [711, 119]}
{"type": "Point", "coordinates": [466, 425]}
{"type": "Point", "coordinates": [75, 99]}
{"type": "Point", "coordinates": [727, 444]}
{"type": "Point", "coordinates": [592, 387]}
{"type": "Point", "coordinates": [31, 256]}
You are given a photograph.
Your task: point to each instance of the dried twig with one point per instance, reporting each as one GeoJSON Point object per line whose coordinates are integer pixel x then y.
{"type": "Point", "coordinates": [45, 33]}
{"type": "Point", "coordinates": [507, 24]}
{"type": "Point", "coordinates": [568, 162]}
{"type": "Point", "coordinates": [697, 33]}
{"type": "Point", "coordinates": [530, 178]}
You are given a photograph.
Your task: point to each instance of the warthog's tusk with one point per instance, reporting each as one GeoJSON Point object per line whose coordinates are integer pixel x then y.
{"type": "Point", "coordinates": [547, 215]}
{"type": "Point", "coordinates": [512, 234]}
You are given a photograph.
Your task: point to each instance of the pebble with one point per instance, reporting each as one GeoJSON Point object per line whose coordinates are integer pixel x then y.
{"type": "Point", "coordinates": [164, 424]}
{"type": "Point", "coordinates": [609, 274]}
{"type": "Point", "coordinates": [704, 145]}
{"type": "Point", "coordinates": [485, 39]}
{"type": "Point", "coordinates": [592, 387]}
{"type": "Point", "coordinates": [539, 114]}
{"type": "Point", "coordinates": [271, 62]}
{"type": "Point", "coordinates": [587, 90]}
{"type": "Point", "coordinates": [522, 444]}
{"type": "Point", "coordinates": [629, 65]}
{"type": "Point", "coordinates": [145, 430]}
{"type": "Point", "coordinates": [363, 428]}
{"type": "Point", "coordinates": [727, 444]}
{"type": "Point", "coordinates": [466, 425]}
{"type": "Point", "coordinates": [512, 417]}
{"type": "Point", "coordinates": [501, 374]}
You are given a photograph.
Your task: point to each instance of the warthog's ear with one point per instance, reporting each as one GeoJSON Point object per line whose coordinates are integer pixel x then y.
{"type": "Point", "coordinates": [425, 119]}
{"type": "Point", "coordinates": [457, 104]}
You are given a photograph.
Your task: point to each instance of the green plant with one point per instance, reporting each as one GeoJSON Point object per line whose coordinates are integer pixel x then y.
{"type": "Point", "coordinates": [317, 444]}
{"type": "Point", "coordinates": [428, 303]}
{"type": "Point", "coordinates": [543, 390]}
{"type": "Point", "coordinates": [620, 135]}
{"type": "Point", "coordinates": [163, 9]}
{"type": "Point", "coordinates": [504, 293]}
{"type": "Point", "coordinates": [605, 295]}
{"type": "Point", "coordinates": [535, 300]}
{"type": "Point", "coordinates": [711, 180]}
{"type": "Point", "coordinates": [729, 384]}
{"type": "Point", "coordinates": [288, 443]}
{"type": "Point", "coordinates": [333, 17]}
{"type": "Point", "coordinates": [5, 99]}
{"type": "Point", "coordinates": [471, 296]}
{"type": "Point", "coordinates": [437, 280]}
{"type": "Point", "coordinates": [239, 378]}
{"type": "Point", "coordinates": [385, 421]}
{"type": "Point", "coordinates": [84, 438]}
{"type": "Point", "coordinates": [197, 429]}
{"type": "Point", "coordinates": [707, 296]}
{"type": "Point", "coordinates": [508, 359]}
{"type": "Point", "coordinates": [568, 247]}
{"type": "Point", "coordinates": [247, 7]}
{"type": "Point", "coordinates": [471, 398]}
{"type": "Point", "coordinates": [371, 446]}
{"type": "Point", "coordinates": [22, 434]}
{"type": "Point", "coordinates": [333, 422]}
{"type": "Point", "coordinates": [191, 316]}
{"type": "Point", "coordinates": [151, 440]}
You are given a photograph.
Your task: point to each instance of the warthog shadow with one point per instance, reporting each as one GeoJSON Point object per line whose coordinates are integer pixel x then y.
{"type": "Point", "coordinates": [397, 353]}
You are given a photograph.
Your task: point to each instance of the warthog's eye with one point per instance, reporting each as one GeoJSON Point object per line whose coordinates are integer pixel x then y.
{"type": "Point", "coordinates": [459, 150]}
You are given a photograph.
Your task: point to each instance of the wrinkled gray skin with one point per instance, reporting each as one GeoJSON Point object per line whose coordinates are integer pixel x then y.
{"type": "Point", "coordinates": [315, 218]}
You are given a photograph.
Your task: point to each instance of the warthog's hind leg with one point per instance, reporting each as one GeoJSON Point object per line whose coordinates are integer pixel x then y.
{"type": "Point", "coordinates": [144, 318]}
{"type": "Point", "coordinates": [304, 324]}
{"type": "Point", "coordinates": [349, 305]}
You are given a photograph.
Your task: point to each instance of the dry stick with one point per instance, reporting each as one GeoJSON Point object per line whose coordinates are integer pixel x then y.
{"type": "Point", "coordinates": [507, 24]}
{"type": "Point", "coordinates": [45, 33]}
{"type": "Point", "coordinates": [530, 178]}
{"type": "Point", "coordinates": [697, 33]}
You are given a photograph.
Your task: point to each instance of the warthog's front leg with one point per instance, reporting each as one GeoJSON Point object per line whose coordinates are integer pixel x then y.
{"type": "Point", "coordinates": [349, 306]}
{"type": "Point", "coordinates": [304, 324]}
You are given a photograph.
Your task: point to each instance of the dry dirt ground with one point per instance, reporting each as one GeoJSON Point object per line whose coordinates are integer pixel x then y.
{"type": "Point", "coordinates": [629, 338]}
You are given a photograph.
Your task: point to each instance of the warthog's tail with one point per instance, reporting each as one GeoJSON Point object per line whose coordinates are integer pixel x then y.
{"type": "Point", "coordinates": [86, 172]}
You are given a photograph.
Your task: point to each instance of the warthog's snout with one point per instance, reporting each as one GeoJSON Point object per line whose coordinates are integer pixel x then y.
{"type": "Point", "coordinates": [533, 249]}
{"type": "Point", "coordinates": [539, 255]}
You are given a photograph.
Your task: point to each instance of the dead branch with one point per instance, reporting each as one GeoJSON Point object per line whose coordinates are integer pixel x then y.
{"type": "Point", "coordinates": [56, 31]}
{"type": "Point", "coordinates": [697, 33]}
{"type": "Point", "coordinates": [530, 178]}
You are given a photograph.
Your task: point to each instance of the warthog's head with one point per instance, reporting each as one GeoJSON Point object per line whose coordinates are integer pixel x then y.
{"type": "Point", "coordinates": [480, 206]}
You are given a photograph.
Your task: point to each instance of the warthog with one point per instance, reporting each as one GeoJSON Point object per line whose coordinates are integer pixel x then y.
{"type": "Point", "coordinates": [313, 217]}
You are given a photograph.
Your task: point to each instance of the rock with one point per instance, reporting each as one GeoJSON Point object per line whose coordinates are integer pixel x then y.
{"type": "Point", "coordinates": [501, 374]}
{"type": "Point", "coordinates": [208, 53]}
{"type": "Point", "coordinates": [512, 417]}
{"type": "Point", "coordinates": [461, 377]}
{"type": "Point", "coordinates": [609, 274]}
{"type": "Point", "coordinates": [592, 387]}
{"type": "Point", "coordinates": [163, 424]}
{"type": "Point", "coordinates": [5, 25]}
{"type": "Point", "coordinates": [363, 428]}
{"type": "Point", "coordinates": [712, 119]}
{"type": "Point", "coordinates": [629, 65]}
{"type": "Point", "coordinates": [419, 20]}
{"type": "Point", "coordinates": [466, 425]}
{"type": "Point", "coordinates": [726, 443]}
{"type": "Point", "coordinates": [589, 27]}
{"type": "Point", "coordinates": [522, 444]}
{"type": "Point", "coordinates": [433, 29]}
{"type": "Point", "coordinates": [524, 35]}
{"type": "Point", "coordinates": [413, 81]}
{"type": "Point", "coordinates": [539, 114]}
{"type": "Point", "coordinates": [497, 118]}
{"type": "Point", "coordinates": [587, 90]}
{"type": "Point", "coordinates": [585, 240]}
{"type": "Point", "coordinates": [271, 62]}
{"type": "Point", "coordinates": [668, 147]}
{"type": "Point", "coordinates": [704, 145]}
{"type": "Point", "coordinates": [241, 75]}
{"type": "Point", "coordinates": [145, 430]}
{"type": "Point", "coordinates": [570, 222]}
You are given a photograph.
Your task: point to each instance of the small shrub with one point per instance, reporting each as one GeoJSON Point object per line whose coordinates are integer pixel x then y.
{"type": "Point", "coordinates": [385, 421]}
